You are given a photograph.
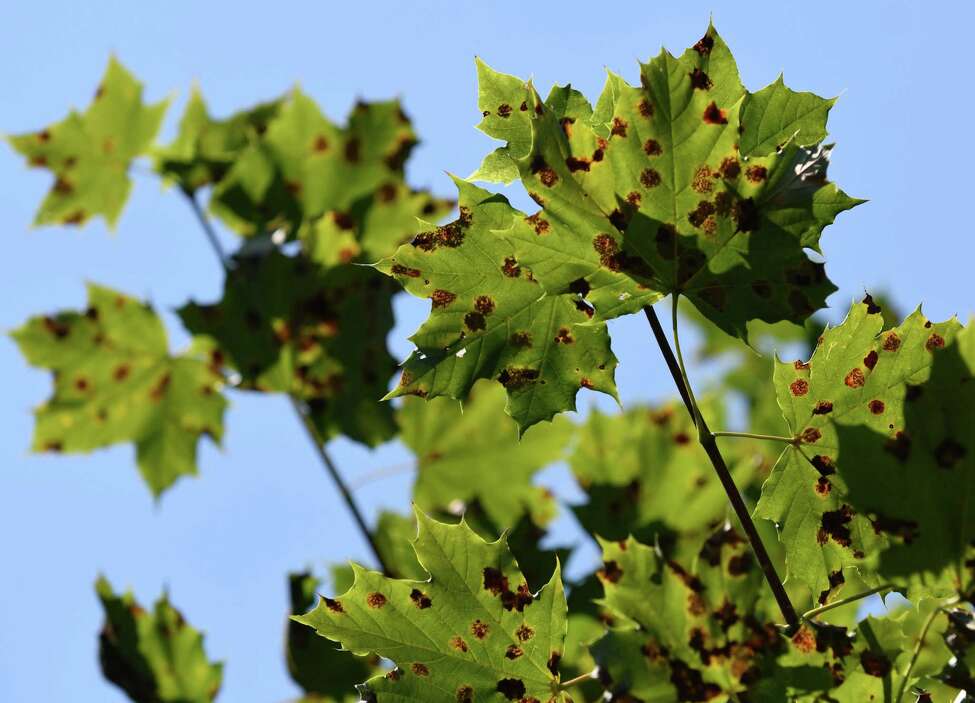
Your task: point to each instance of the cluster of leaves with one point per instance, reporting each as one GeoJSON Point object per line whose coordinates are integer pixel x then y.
{"type": "Point", "coordinates": [687, 186]}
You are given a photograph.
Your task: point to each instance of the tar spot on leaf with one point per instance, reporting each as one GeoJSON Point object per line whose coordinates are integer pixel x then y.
{"type": "Point", "coordinates": [442, 298]}
{"type": "Point", "coordinates": [376, 600]}
{"type": "Point", "coordinates": [756, 174]}
{"type": "Point", "coordinates": [799, 387]}
{"type": "Point", "coordinates": [855, 378]}
{"type": "Point", "coordinates": [714, 115]}
{"type": "Point", "coordinates": [610, 572]}
{"type": "Point", "coordinates": [420, 599]}
{"type": "Point", "coordinates": [870, 360]}
{"type": "Point", "coordinates": [524, 633]}
{"type": "Point", "coordinates": [823, 407]}
{"type": "Point", "coordinates": [700, 80]}
{"type": "Point", "coordinates": [420, 669]}
{"type": "Point", "coordinates": [876, 406]}
{"type": "Point", "coordinates": [935, 341]}
{"type": "Point", "coordinates": [480, 629]}
{"type": "Point", "coordinates": [650, 178]}
{"type": "Point", "coordinates": [652, 148]}
{"type": "Point", "coordinates": [515, 378]}
{"type": "Point", "coordinates": [948, 453]}
{"type": "Point", "coordinates": [474, 321]}
{"type": "Point", "coordinates": [835, 525]}
{"type": "Point", "coordinates": [334, 605]}
{"type": "Point", "coordinates": [512, 689]}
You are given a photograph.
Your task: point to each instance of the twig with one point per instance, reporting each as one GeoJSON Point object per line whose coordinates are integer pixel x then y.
{"type": "Point", "coordinates": [721, 469]}
{"type": "Point", "coordinates": [810, 614]}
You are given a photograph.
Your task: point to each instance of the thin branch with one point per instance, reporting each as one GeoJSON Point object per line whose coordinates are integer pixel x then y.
{"type": "Point", "coordinates": [381, 473]}
{"type": "Point", "coordinates": [810, 614]}
{"type": "Point", "coordinates": [752, 435]}
{"type": "Point", "coordinates": [312, 433]}
{"type": "Point", "coordinates": [207, 226]}
{"type": "Point", "coordinates": [588, 676]}
{"type": "Point", "coordinates": [721, 469]}
{"type": "Point", "coordinates": [918, 647]}
{"type": "Point", "coordinates": [299, 406]}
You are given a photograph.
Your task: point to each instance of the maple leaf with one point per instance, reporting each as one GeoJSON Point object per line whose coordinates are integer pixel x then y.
{"type": "Point", "coordinates": [325, 673]}
{"type": "Point", "coordinates": [645, 474]}
{"type": "Point", "coordinates": [155, 657]}
{"type": "Point", "coordinates": [289, 326]}
{"type": "Point", "coordinates": [489, 318]}
{"type": "Point", "coordinates": [205, 148]}
{"type": "Point", "coordinates": [116, 381]}
{"type": "Point", "coordinates": [303, 166]}
{"type": "Point", "coordinates": [472, 631]}
{"type": "Point", "coordinates": [474, 453]}
{"type": "Point", "coordinates": [648, 193]}
{"type": "Point", "coordinates": [871, 409]}
{"type": "Point", "coordinates": [680, 633]}
{"type": "Point", "coordinates": [90, 153]}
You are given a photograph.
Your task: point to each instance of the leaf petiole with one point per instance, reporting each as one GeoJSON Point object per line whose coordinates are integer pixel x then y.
{"type": "Point", "coordinates": [810, 614]}
{"type": "Point", "coordinates": [577, 680]}
{"type": "Point", "coordinates": [752, 435]}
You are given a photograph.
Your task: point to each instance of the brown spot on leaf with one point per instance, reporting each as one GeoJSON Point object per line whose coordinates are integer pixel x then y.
{"type": "Point", "coordinates": [510, 268]}
{"type": "Point", "coordinates": [545, 173]}
{"type": "Point", "coordinates": [352, 149]}
{"type": "Point", "coordinates": [645, 108]}
{"type": "Point", "coordinates": [652, 147]}
{"type": "Point", "coordinates": [564, 336]}
{"type": "Point", "coordinates": [420, 669]}
{"type": "Point", "coordinates": [465, 694]}
{"type": "Point", "coordinates": [442, 298]}
{"type": "Point", "coordinates": [799, 387]}
{"type": "Point", "coordinates": [420, 599]}
{"type": "Point", "coordinates": [876, 406]}
{"type": "Point", "coordinates": [810, 435]}
{"type": "Point", "coordinates": [512, 689]}
{"type": "Point", "coordinates": [540, 225]}
{"type": "Point", "coordinates": [524, 633]}
{"type": "Point", "coordinates": [704, 45]}
{"type": "Point", "coordinates": [514, 378]}
{"type": "Point", "coordinates": [650, 178]}
{"type": "Point", "coordinates": [376, 600]}
{"type": "Point", "coordinates": [522, 340]}
{"type": "Point", "coordinates": [714, 115]}
{"type": "Point", "coordinates": [619, 127]}
{"type": "Point", "coordinates": [823, 407]}
{"type": "Point", "coordinates": [334, 605]}
{"type": "Point", "coordinates": [823, 464]}
{"type": "Point", "coordinates": [575, 164]}
{"type": "Point", "coordinates": [610, 572]}
{"type": "Point", "coordinates": [823, 486]}
{"type": "Point", "coordinates": [480, 629]}
{"type": "Point", "coordinates": [804, 640]}
{"type": "Point", "coordinates": [835, 524]}
{"type": "Point", "coordinates": [899, 445]}
{"type": "Point", "coordinates": [504, 110]}
{"type": "Point", "coordinates": [700, 80]}
{"type": "Point", "coordinates": [321, 144]}
{"type": "Point", "coordinates": [756, 174]}
{"type": "Point", "coordinates": [474, 321]}
{"type": "Point", "coordinates": [875, 663]}
{"type": "Point", "coordinates": [513, 651]}
{"type": "Point", "coordinates": [872, 307]}
{"type": "Point", "coordinates": [400, 270]}
{"type": "Point", "coordinates": [634, 198]}
{"type": "Point", "coordinates": [701, 182]}
{"type": "Point", "coordinates": [855, 378]}
{"type": "Point", "coordinates": [484, 304]}
{"type": "Point", "coordinates": [935, 341]}
{"type": "Point", "coordinates": [730, 168]}
{"type": "Point", "coordinates": [458, 643]}
{"type": "Point", "coordinates": [870, 360]}
{"type": "Point", "coordinates": [892, 342]}
{"type": "Point", "coordinates": [159, 389]}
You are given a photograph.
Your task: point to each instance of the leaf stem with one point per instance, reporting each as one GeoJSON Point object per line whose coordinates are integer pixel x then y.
{"type": "Point", "coordinates": [810, 614]}
{"type": "Point", "coordinates": [694, 409]}
{"type": "Point", "coordinates": [577, 680]}
{"type": "Point", "coordinates": [724, 475]}
{"type": "Point", "coordinates": [752, 435]}
{"type": "Point", "coordinates": [300, 408]}
{"type": "Point", "coordinates": [918, 646]}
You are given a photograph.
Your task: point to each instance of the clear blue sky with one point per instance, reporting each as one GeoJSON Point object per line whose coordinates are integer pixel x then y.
{"type": "Point", "coordinates": [262, 506]}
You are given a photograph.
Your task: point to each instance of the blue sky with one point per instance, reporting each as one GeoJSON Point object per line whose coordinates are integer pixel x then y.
{"type": "Point", "coordinates": [223, 543]}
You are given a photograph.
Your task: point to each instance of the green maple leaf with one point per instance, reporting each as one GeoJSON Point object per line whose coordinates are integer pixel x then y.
{"type": "Point", "coordinates": [474, 453]}
{"type": "Point", "coordinates": [776, 115]}
{"type": "Point", "coordinates": [205, 148]}
{"type": "Point", "coordinates": [645, 474]}
{"type": "Point", "coordinates": [89, 153]}
{"type": "Point", "coordinates": [473, 631]}
{"type": "Point", "coordinates": [289, 326]}
{"type": "Point", "coordinates": [325, 673]}
{"type": "Point", "coordinates": [116, 381]}
{"type": "Point", "coordinates": [489, 318]}
{"type": "Point", "coordinates": [155, 657]}
{"type": "Point", "coordinates": [883, 461]}
{"type": "Point", "coordinates": [648, 192]}
{"type": "Point", "coordinates": [685, 633]}
{"type": "Point", "coordinates": [303, 165]}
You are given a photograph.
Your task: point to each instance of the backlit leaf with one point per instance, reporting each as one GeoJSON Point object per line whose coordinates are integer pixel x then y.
{"type": "Point", "coordinates": [155, 657]}
{"type": "Point", "coordinates": [883, 465]}
{"type": "Point", "coordinates": [89, 153]}
{"type": "Point", "coordinates": [489, 318]}
{"type": "Point", "coordinates": [116, 381]}
{"type": "Point", "coordinates": [473, 631]}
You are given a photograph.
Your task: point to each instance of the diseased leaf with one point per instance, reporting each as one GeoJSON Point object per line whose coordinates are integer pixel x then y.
{"type": "Point", "coordinates": [325, 673]}
{"type": "Point", "coordinates": [685, 634]}
{"type": "Point", "coordinates": [155, 657]}
{"type": "Point", "coordinates": [116, 381]}
{"type": "Point", "coordinates": [288, 326]}
{"type": "Point", "coordinates": [474, 453]}
{"type": "Point", "coordinates": [205, 148]}
{"type": "Point", "coordinates": [490, 319]}
{"type": "Point", "coordinates": [883, 465]}
{"type": "Point", "coordinates": [89, 153]}
{"type": "Point", "coordinates": [776, 115]}
{"type": "Point", "coordinates": [304, 166]}
{"type": "Point", "coordinates": [647, 193]}
{"type": "Point", "coordinates": [645, 474]}
{"type": "Point", "coordinates": [473, 631]}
